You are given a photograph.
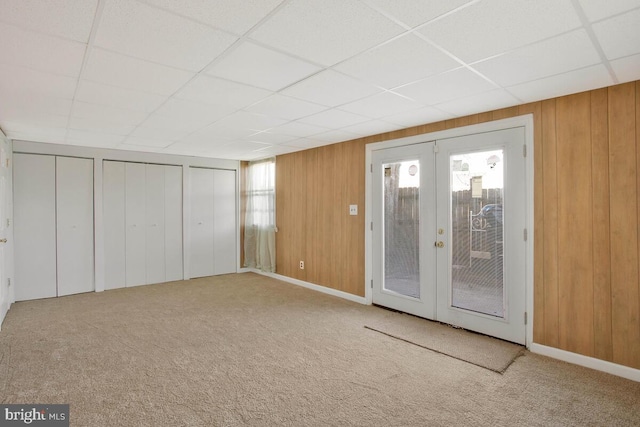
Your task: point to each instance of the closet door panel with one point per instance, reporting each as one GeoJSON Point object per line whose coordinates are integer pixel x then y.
{"type": "Point", "coordinates": [224, 220]}
{"type": "Point", "coordinates": [201, 223]}
{"type": "Point", "coordinates": [173, 223]}
{"type": "Point", "coordinates": [135, 220]}
{"type": "Point", "coordinates": [34, 226]}
{"type": "Point", "coordinates": [74, 209]}
{"type": "Point", "coordinates": [113, 187]}
{"type": "Point", "coordinates": [155, 224]}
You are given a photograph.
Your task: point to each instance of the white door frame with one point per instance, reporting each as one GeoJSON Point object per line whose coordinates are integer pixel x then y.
{"type": "Point", "coordinates": [525, 121]}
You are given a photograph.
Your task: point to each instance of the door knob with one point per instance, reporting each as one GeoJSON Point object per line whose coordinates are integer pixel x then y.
{"type": "Point", "coordinates": [440, 244]}
{"type": "Point", "coordinates": [3, 240]}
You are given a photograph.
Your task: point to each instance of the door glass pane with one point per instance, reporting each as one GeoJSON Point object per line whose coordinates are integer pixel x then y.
{"type": "Point", "coordinates": [477, 193]}
{"type": "Point", "coordinates": [401, 228]}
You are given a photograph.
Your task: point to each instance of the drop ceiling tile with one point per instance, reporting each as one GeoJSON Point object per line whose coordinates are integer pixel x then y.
{"type": "Point", "coordinates": [620, 35]}
{"type": "Point", "coordinates": [30, 131]}
{"type": "Point", "coordinates": [269, 137]}
{"type": "Point", "coordinates": [29, 106]}
{"type": "Point", "coordinates": [70, 19]}
{"type": "Point", "coordinates": [140, 148]}
{"type": "Point", "coordinates": [285, 107]}
{"type": "Point", "coordinates": [93, 139]}
{"type": "Point", "coordinates": [221, 92]}
{"type": "Point", "coordinates": [334, 119]}
{"type": "Point", "coordinates": [557, 55]}
{"type": "Point", "coordinates": [330, 88]}
{"type": "Point", "coordinates": [33, 119]}
{"type": "Point", "coordinates": [142, 31]}
{"type": "Point", "coordinates": [18, 82]}
{"type": "Point", "coordinates": [157, 128]}
{"type": "Point", "coordinates": [107, 113]}
{"type": "Point", "coordinates": [384, 104]}
{"type": "Point", "coordinates": [325, 32]}
{"type": "Point", "coordinates": [180, 110]}
{"type": "Point", "coordinates": [445, 87]}
{"type": "Point", "coordinates": [258, 66]}
{"type": "Point", "coordinates": [486, 101]}
{"type": "Point", "coordinates": [572, 82]}
{"type": "Point", "coordinates": [40, 52]}
{"type": "Point", "coordinates": [491, 27]}
{"type": "Point", "coordinates": [239, 125]}
{"type": "Point", "coordinates": [114, 96]}
{"type": "Point", "coordinates": [372, 127]}
{"type": "Point", "coordinates": [600, 9]}
{"type": "Point", "coordinates": [413, 13]}
{"type": "Point", "coordinates": [99, 126]}
{"type": "Point", "coordinates": [401, 61]}
{"type": "Point", "coordinates": [130, 73]}
{"type": "Point", "coordinates": [334, 136]}
{"type": "Point", "coordinates": [236, 16]}
{"type": "Point", "coordinates": [418, 117]}
{"type": "Point", "coordinates": [299, 129]}
{"type": "Point", "coordinates": [275, 150]}
{"type": "Point", "coordinates": [147, 142]}
{"type": "Point", "coordinates": [627, 69]}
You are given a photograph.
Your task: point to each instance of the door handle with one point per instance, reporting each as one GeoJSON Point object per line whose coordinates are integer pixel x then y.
{"type": "Point", "coordinates": [3, 240]}
{"type": "Point", "coordinates": [440, 244]}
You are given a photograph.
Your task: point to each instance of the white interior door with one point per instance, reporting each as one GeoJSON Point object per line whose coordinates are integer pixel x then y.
{"type": "Point", "coordinates": [155, 224]}
{"type": "Point", "coordinates": [135, 220]}
{"type": "Point", "coordinates": [34, 226]}
{"type": "Point", "coordinates": [113, 207]}
{"type": "Point", "coordinates": [201, 240]}
{"type": "Point", "coordinates": [448, 234]}
{"type": "Point", "coordinates": [173, 223]}
{"type": "Point", "coordinates": [224, 221]}
{"type": "Point", "coordinates": [74, 225]}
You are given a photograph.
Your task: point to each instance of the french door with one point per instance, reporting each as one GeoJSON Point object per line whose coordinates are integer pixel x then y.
{"type": "Point", "coordinates": [449, 231]}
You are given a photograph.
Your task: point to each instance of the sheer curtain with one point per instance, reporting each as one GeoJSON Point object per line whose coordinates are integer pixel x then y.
{"type": "Point", "coordinates": [260, 221]}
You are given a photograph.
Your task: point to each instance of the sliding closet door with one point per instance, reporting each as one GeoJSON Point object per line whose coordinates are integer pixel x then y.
{"type": "Point", "coordinates": [113, 185]}
{"type": "Point", "coordinates": [173, 223]}
{"type": "Point", "coordinates": [155, 263]}
{"type": "Point", "coordinates": [74, 211]}
{"type": "Point", "coordinates": [224, 221]}
{"type": "Point", "coordinates": [135, 220]}
{"type": "Point", "coordinates": [202, 229]}
{"type": "Point", "coordinates": [34, 226]}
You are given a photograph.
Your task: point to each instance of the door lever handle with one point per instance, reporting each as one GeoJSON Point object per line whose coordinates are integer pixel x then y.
{"type": "Point", "coordinates": [440, 244]}
{"type": "Point", "coordinates": [3, 240]}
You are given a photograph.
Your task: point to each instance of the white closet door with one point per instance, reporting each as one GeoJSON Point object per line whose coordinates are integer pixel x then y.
{"type": "Point", "coordinates": [74, 208]}
{"type": "Point", "coordinates": [201, 224]}
{"type": "Point", "coordinates": [173, 223]}
{"type": "Point", "coordinates": [155, 224]}
{"type": "Point", "coordinates": [224, 221]}
{"type": "Point", "coordinates": [114, 224]}
{"type": "Point", "coordinates": [35, 226]}
{"type": "Point", "coordinates": [135, 219]}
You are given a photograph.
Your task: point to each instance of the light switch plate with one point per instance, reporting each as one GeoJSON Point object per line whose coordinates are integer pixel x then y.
{"type": "Point", "coordinates": [353, 209]}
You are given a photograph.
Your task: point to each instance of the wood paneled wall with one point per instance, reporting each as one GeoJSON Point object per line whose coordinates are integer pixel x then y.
{"type": "Point", "coordinates": [587, 217]}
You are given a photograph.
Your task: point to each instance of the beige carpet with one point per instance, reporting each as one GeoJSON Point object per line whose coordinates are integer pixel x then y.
{"type": "Point", "coordinates": [486, 352]}
{"type": "Point", "coordinates": [247, 350]}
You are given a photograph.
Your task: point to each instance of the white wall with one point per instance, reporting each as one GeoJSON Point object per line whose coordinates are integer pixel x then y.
{"type": "Point", "coordinates": [98, 155]}
{"type": "Point", "coordinates": [6, 228]}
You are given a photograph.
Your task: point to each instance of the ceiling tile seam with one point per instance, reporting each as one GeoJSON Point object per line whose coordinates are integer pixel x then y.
{"type": "Point", "coordinates": [97, 18]}
{"type": "Point", "coordinates": [41, 33]}
{"type": "Point", "coordinates": [616, 15]}
{"type": "Point", "coordinates": [554, 75]}
{"type": "Point", "coordinates": [594, 40]}
{"type": "Point", "coordinates": [188, 18]}
{"type": "Point", "coordinates": [39, 70]}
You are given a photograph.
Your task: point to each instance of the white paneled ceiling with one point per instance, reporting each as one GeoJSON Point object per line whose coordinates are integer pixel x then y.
{"type": "Point", "coordinates": [246, 79]}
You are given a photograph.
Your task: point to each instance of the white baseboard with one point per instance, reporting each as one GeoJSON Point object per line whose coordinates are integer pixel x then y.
{"type": "Point", "coordinates": [313, 286]}
{"type": "Point", "coordinates": [588, 362]}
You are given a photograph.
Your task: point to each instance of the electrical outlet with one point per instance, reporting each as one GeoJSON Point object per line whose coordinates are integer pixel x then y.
{"type": "Point", "coordinates": [353, 209]}
{"type": "Point", "coordinates": [301, 265]}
